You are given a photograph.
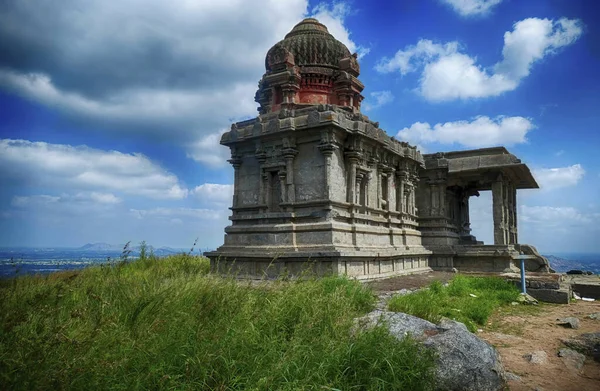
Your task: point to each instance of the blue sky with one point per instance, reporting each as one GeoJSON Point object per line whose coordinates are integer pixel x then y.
{"type": "Point", "coordinates": [111, 112]}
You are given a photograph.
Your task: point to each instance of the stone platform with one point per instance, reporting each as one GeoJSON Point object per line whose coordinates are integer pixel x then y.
{"type": "Point", "coordinates": [359, 265]}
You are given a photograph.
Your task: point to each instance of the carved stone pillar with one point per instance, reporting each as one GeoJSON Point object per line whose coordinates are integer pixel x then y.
{"type": "Point", "coordinates": [353, 158]}
{"type": "Point", "coordinates": [433, 200]}
{"type": "Point", "coordinates": [288, 155]}
{"type": "Point", "coordinates": [442, 196]}
{"type": "Point", "coordinates": [400, 200]}
{"type": "Point", "coordinates": [390, 175]}
{"type": "Point", "coordinates": [236, 162]}
{"type": "Point", "coordinates": [327, 148]}
{"type": "Point", "coordinates": [498, 212]}
{"type": "Point", "coordinates": [263, 186]}
{"type": "Point", "coordinates": [360, 177]}
{"type": "Point", "coordinates": [282, 181]}
{"type": "Point", "coordinates": [515, 236]}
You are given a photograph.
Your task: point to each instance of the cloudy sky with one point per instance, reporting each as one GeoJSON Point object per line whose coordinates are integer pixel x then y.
{"type": "Point", "coordinates": [111, 112]}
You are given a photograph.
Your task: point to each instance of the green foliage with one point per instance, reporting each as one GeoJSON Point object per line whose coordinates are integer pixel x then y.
{"type": "Point", "coordinates": [470, 300]}
{"type": "Point", "coordinates": [166, 323]}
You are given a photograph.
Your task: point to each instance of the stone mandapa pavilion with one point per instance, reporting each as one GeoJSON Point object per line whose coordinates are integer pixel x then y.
{"type": "Point", "coordinates": [319, 187]}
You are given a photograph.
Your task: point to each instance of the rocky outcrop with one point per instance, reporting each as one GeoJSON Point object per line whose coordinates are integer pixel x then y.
{"type": "Point", "coordinates": [464, 362]}
{"type": "Point", "coordinates": [588, 344]}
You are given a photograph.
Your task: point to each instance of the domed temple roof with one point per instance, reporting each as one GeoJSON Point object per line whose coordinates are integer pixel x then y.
{"type": "Point", "coordinates": [311, 44]}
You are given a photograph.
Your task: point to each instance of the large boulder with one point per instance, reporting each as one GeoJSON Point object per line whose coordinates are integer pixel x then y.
{"type": "Point", "coordinates": [464, 362]}
{"type": "Point", "coordinates": [588, 344]}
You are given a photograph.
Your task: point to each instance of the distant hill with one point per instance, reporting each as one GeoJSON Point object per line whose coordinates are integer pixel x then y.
{"type": "Point", "coordinates": [105, 247]}
{"type": "Point", "coordinates": [564, 263]}
{"type": "Point", "coordinates": [100, 247]}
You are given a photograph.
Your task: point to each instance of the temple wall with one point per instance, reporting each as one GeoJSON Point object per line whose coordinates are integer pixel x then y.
{"type": "Point", "coordinates": [249, 182]}
{"type": "Point", "coordinates": [309, 169]}
{"type": "Point", "coordinates": [338, 174]}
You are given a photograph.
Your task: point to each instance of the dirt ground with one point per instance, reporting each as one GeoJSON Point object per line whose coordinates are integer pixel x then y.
{"type": "Point", "coordinates": [521, 330]}
{"type": "Point", "coordinates": [517, 332]}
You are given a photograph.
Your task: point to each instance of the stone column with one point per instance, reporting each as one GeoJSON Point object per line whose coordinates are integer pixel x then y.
{"type": "Point", "coordinates": [282, 175]}
{"type": "Point", "coordinates": [400, 191]}
{"type": "Point", "coordinates": [288, 155]}
{"type": "Point", "coordinates": [379, 188]}
{"type": "Point", "coordinates": [352, 180]}
{"type": "Point", "coordinates": [515, 211]}
{"type": "Point", "coordinates": [433, 198]}
{"type": "Point", "coordinates": [359, 178]}
{"type": "Point", "coordinates": [442, 195]}
{"type": "Point", "coordinates": [261, 157]}
{"type": "Point", "coordinates": [266, 188]}
{"type": "Point", "coordinates": [390, 183]}
{"type": "Point", "coordinates": [236, 162]}
{"type": "Point", "coordinates": [408, 189]}
{"type": "Point", "coordinates": [498, 211]}
{"type": "Point", "coordinates": [513, 214]}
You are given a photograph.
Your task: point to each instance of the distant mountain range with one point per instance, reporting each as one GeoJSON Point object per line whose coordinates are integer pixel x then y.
{"type": "Point", "coordinates": [105, 247]}
{"type": "Point", "coordinates": [564, 263]}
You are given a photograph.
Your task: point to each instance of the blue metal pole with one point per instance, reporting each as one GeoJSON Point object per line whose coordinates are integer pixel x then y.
{"type": "Point", "coordinates": [523, 287]}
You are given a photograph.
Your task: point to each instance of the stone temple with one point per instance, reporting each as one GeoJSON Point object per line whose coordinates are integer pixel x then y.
{"type": "Point", "coordinates": [320, 188]}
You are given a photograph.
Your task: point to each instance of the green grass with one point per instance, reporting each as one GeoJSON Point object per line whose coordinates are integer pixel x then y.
{"type": "Point", "coordinates": [454, 301]}
{"type": "Point", "coordinates": [168, 324]}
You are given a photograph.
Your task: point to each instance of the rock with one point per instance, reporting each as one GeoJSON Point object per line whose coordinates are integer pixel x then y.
{"type": "Point", "coordinates": [399, 324]}
{"type": "Point", "coordinates": [595, 316]}
{"type": "Point", "coordinates": [538, 357]}
{"type": "Point", "coordinates": [557, 296]}
{"type": "Point", "coordinates": [588, 344]}
{"type": "Point", "coordinates": [572, 359]}
{"type": "Point", "coordinates": [575, 271]}
{"type": "Point", "coordinates": [464, 362]}
{"type": "Point", "coordinates": [570, 321]}
{"type": "Point", "coordinates": [526, 299]}
{"type": "Point", "coordinates": [509, 376]}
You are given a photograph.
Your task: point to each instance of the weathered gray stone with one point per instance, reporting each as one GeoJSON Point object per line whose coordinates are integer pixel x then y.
{"type": "Point", "coordinates": [569, 321]}
{"type": "Point", "coordinates": [465, 362]}
{"type": "Point", "coordinates": [595, 316]}
{"type": "Point", "coordinates": [509, 376]}
{"type": "Point", "coordinates": [588, 344]}
{"type": "Point", "coordinates": [572, 359]}
{"type": "Point", "coordinates": [539, 357]}
{"type": "Point", "coordinates": [560, 296]}
{"type": "Point", "coordinates": [526, 299]}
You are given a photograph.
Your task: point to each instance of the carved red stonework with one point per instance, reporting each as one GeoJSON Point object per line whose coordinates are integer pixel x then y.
{"type": "Point", "coordinates": [309, 67]}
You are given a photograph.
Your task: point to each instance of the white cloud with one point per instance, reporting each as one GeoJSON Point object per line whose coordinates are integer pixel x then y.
{"type": "Point", "coordinates": [554, 178]}
{"type": "Point", "coordinates": [531, 40]}
{"type": "Point", "coordinates": [480, 132]}
{"type": "Point", "coordinates": [333, 16]}
{"type": "Point", "coordinates": [177, 213]}
{"type": "Point", "coordinates": [415, 56]}
{"type": "Point", "coordinates": [550, 216]}
{"type": "Point", "coordinates": [472, 7]}
{"type": "Point", "coordinates": [377, 99]}
{"type": "Point", "coordinates": [215, 193]}
{"type": "Point", "coordinates": [448, 74]}
{"type": "Point", "coordinates": [207, 150]}
{"type": "Point", "coordinates": [167, 68]}
{"type": "Point", "coordinates": [69, 167]}
{"type": "Point", "coordinates": [79, 204]}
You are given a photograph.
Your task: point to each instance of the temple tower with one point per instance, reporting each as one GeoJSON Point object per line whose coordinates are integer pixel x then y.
{"type": "Point", "coordinates": [317, 185]}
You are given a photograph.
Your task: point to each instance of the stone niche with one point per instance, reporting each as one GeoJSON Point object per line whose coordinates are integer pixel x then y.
{"type": "Point", "coordinates": [321, 189]}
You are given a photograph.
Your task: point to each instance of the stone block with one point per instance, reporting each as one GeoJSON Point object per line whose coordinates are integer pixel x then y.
{"type": "Point", "coordinates": [557, 296]}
